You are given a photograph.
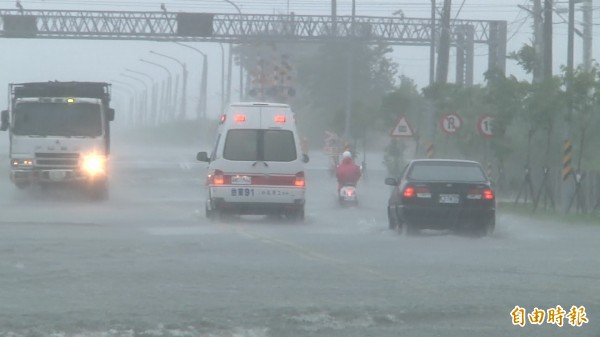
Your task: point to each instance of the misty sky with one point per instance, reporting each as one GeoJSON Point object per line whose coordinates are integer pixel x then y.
{"type": "Point", "coordinates": [40, 60]}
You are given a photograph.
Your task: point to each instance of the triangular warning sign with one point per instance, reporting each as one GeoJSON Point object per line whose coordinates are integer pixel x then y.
{"type": "Point", "coordinates": [402, 129]}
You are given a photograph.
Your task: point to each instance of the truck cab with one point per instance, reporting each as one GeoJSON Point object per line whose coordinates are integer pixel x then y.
{"type": "Point", "coordinates": [59, 134]}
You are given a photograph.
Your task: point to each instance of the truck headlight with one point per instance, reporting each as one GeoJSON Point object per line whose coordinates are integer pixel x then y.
{"type": "Point", "coordinates": [22, 163]}
{"type": "Point", "coordinates": [94, 164]}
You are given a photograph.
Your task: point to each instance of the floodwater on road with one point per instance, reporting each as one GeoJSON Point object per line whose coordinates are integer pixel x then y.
{"type": "Point", "coordinates": [147, 263]}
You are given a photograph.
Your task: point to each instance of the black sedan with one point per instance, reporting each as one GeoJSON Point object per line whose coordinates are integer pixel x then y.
{"type": "Point", "coordinates": [442, 194]}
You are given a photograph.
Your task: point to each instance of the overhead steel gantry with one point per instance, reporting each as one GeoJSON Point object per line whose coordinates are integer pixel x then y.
{"type": "Point", "coordinates": [247, 28]}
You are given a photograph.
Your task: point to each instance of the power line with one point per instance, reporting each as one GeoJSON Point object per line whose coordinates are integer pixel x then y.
{"type": "Point", "coordinates": [460, 9]}
{"type": "Point", "coordinates": [378, 6]}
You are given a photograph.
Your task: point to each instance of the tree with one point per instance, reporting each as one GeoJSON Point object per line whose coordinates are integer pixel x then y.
{"type": "Point", "coordinates": [544, 102]}
{"type": "Point", "coordinates": [322, 78]}
{"type": "Point", "coordinates": [504, 97]}
{"type": "Point", "coordinates": [525, 57]}
{"type": "Point", "coordinates": [586, 106]}
{"type": "Point", "coordinates": [404, 100]}
{"type": "Point", "coordinates": [469, 102]}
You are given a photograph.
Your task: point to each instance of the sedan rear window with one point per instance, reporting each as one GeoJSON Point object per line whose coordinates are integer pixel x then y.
{"type": "Point", "coordinates": [447, 171]}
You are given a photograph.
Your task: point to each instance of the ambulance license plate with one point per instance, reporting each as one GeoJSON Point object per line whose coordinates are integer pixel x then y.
{"type": "Point", "coordinates": [242, 192]}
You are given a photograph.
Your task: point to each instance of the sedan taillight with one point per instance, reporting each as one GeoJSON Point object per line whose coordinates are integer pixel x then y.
{"type": "Point", "coordinates": [419, 192]}
{"type": "Point", "coordinates": [474, 194]}
{"type": "Point", "coordinates": [478, 194]}
{"type": "Point", "coordinates": [409, 192]}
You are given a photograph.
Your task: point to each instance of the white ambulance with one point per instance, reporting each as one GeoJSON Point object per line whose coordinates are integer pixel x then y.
{"type": "Point", "coordinates": [256, 165]}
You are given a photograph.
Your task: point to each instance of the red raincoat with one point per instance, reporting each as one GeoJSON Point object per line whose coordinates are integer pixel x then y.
{"type": "Point", "coordinates": [347, 173]}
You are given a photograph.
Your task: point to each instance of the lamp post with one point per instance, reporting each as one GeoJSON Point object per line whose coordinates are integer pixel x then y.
{"type": "Point", "coordinates": [350, 77]}
{"type": "Point", "coordinates": [202, 102]}
{"type": "Point", "coordinates": [432, 45]}
{"type": "Point", "coordinates": [222, 78]}
{"type": "Point", "coordinates": [132, 102]}
{"type": "Point", "coordinates": [183, 107]}
{"type": "Point", "coordinates": [241, 67]}
{"type": "Point", "coordinates": [154, 99]}
{"type": "Point", "coordinates": [145, 95]}
{"type": "Point", "coordinates": [166, 92]}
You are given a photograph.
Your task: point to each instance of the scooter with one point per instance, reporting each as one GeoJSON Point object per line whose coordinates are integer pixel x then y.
{"type": "Point", "coordinates": [347, 196]}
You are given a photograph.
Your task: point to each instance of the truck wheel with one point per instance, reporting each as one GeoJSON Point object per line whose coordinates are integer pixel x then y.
{"type": "Point", "coordinates": [98, 191]}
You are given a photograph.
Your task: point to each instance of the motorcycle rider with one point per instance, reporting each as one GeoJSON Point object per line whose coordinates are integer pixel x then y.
{"type": "Point", "coordinates": [347, 173]}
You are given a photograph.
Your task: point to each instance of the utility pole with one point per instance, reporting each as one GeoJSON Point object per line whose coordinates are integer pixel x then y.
{"type": "Point", "coordinates": [183, 107]}
{"type": "Point", "coordinates": [334, 17]}
{"type": "Point", "coordinates": [432, 45]}
{"type": "Point", "coordinates": [229, 68]}
{"type": "Point", "coordinates": [548, 11]}
{"type": "Point", "coordinates": [570, 52]}
{"type": "Point", "coordinates": [222, 109]}
{"type": "Point", "coordinates": [570, 46]}
{"type": "Point", "coordinates": [173, 112]}
{"type": "Point", "coordinates": [444, 50]}
{"type": "Point", "coordinates": [350, 76]}
{"type": "Point", "coordinates": [203, 85]}
{"type": "Point", "coordinates": [538, 42]}
{"type": "Point", "coordinates": [587, 34]}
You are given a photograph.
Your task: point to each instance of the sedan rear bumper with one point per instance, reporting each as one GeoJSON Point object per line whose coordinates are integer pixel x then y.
{"type": "Point", "coordinates": [427, 217]}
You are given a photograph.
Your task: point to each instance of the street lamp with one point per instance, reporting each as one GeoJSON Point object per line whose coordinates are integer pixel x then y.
{"type": "Point", "coordinates": [132, 101]}
{"type": "Point", "coordinates": [154, 99]}
{"type": "Point", "coordinates": [234, 5]}
{"type": "Point", "coordinates": [222, 78]}
{"type": "Point", "coordinates": [350, 76]}
{"type": "Point", "coordinates": [167, 94]}
{"type": "Point", "coordinates": [182, 114]}
{"type": "Point", "coordinates": [125, 85]}
{"type": "Point", "coordinates": [432, 45]}
{"type": "Point", "coordinates": [145, 96]}
{"type": "Point", "coordinates": [203, 96]}
{"type": "Point", "coordinates": [241, 68]}
{"type": "Point", "coordinates": [136, 79]}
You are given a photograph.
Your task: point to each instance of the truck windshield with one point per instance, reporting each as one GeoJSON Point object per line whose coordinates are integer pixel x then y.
{"type": "Point", "coordinates": [57, 119]}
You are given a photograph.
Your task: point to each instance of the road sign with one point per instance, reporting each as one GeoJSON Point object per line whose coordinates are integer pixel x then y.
{"type": "Point", "coordinates": [402, 129]}
{"type": "Point", "coordinates": [451, 122]}
{"type": "Point", "coordinates": [484, 125]}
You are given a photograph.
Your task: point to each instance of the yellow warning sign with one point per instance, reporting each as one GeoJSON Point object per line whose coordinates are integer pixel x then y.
{"type": "Point", "coordinates": [430, 150]}
{"type": "Point", "coordinates": [567, 158]}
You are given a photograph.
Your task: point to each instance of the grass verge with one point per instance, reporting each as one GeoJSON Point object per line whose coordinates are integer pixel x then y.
{"type": "Point", "coordinates": [548, 214]}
